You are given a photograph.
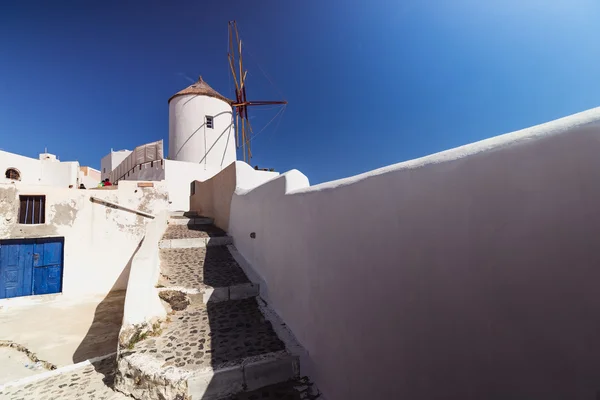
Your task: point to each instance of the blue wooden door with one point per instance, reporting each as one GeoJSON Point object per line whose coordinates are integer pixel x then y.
{"type": "Point", "coordinates": [47, 266]}
{"type": "Point", "coordinates": [31, 266]}
{"type": "Point", "coordinates": [16, 260]}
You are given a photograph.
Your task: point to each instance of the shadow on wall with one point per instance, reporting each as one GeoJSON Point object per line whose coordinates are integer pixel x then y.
{"type": "Point", "coordinates": [103, 335]}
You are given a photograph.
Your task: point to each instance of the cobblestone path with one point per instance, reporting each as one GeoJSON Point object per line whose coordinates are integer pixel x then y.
{"type": "Point", "coordinates": [93, 381]}
{"type": "Point", "coordinates": [200, 336]}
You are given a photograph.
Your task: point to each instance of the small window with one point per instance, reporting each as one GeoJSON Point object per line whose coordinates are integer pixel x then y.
{"type": "Point", "coordinates": [193, 188]}
{"type": "Point", "coordinates": [12, 173]}
{"type": "Point", "coordinates": [209, 122]}
{"type": "Point", "coordinates": [32, 209]}
{"type": "Point", "coordinates": [103, 170]}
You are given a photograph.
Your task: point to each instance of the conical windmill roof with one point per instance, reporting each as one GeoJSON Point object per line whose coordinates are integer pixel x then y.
{"type": "Point", "coordinates": [201, 88]}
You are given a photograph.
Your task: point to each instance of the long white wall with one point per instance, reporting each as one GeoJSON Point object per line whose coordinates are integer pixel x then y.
{"type": "Point", "coordinates": [468, 274]}
{"type": "Point", "coordinates": [38, 172]}
{"type": "Point", "coordinates": [99, 241]}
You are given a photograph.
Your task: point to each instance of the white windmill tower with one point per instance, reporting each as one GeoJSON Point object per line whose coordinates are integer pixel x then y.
{"type": "Point", "coordinates": [201, 120]}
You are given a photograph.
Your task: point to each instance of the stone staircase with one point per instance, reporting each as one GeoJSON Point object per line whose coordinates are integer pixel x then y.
{"type": "Point", "coordinates": [216, 341]}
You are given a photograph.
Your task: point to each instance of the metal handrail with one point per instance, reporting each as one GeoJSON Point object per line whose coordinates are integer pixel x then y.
{"type": "Point", "coordinates": [94, 199]}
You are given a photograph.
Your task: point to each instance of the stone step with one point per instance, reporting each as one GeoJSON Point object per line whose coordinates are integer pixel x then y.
{"type": "Point", "coordinates": [206, 351]}
{"type": "Point", "coordinates": [211, 271]}
{"type": "Point", "coordinates": [183, 220]}
{"type": "Point", "coordinates": [188, 236]}
{"type": "Point", "coordinates": [183, 214]}
{"type": "Point", "coordinates": [296, 389]}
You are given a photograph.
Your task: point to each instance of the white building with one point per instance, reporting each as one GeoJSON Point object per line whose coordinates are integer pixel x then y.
{"type": "Point", "coordinates": [112, 161]}
{"type": "Point", "coordinates": [201, 144]}
{"type": "Point", "coordinates": [89, 177]}
{"type": "Point", "coordinates": [47, 170]}
{"type": "Point", "coordinates": [201, 126]}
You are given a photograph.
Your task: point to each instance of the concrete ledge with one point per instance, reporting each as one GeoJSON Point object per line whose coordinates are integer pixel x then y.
{"type": "Point", "coordinates": [143, 376]}
{"type": "Point", "coordinates": [219, 241]}
{"type": "Point", "coordinates": [215, 295]}
{"type": "Point", "coordinates": [270, 371]}
{"type": "Point", "coordinates": [194, 242]}
{"type": "Point", "coordinates": [252, 373]}
{"type": "Point", "coordinates": [215, 385]}
{"type": "Point", "coordinates": [191, 221]}
{"type": "Point", "coordinates": [243, 291]}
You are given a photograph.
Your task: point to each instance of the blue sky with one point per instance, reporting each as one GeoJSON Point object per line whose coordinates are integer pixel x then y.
{"type": "Point", "coordinates": [369, 83]}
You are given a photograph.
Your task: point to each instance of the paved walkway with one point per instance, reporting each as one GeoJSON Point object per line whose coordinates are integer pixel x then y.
{"type": "Point", "coordinates": [204, 336]}
{"type": "Point", "coordinates": [92, 381]}
{"type": "Point", "coordinates": [192, 231]}
{"type": "Point", "coordinates": [199, 268]}
{"type": "Point", "coordinates": [64, 331]}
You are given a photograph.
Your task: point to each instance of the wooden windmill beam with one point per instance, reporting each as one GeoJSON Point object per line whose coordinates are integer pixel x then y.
{"type": "Point", "coordinates": [241, 103]}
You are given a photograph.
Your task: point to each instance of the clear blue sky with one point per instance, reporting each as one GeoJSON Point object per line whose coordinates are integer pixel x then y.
{"type": "Point", "coordinates": [369, 83]}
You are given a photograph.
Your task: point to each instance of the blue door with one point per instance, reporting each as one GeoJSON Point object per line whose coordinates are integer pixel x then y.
{"type": "Point", "coordinates": [47, 266]}
{"type": "Point", "coordinates": [31, 266]}
{"type": "Point", "coordinates": [16, 261]}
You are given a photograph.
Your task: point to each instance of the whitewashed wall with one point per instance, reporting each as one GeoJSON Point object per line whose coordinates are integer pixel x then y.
{"type": "Point", "coordinates": [212, 197]}
{"type": "Point", "coordinates": [110, 161]}
{"type": "Point", "coordinates": [99, 241]}
{"type": "Point", "coordinates": [142, 303]}
{"type": "Point", "coordinates": [179, 176]}
{"type": "Point", "coordinates": [189, 138]}
{"type": "Point", "coordinates": [88, 176]}
{"type": "Point", "coordinates": [468, 274]}
{"type": "Point", "coordinates": [38, 172]}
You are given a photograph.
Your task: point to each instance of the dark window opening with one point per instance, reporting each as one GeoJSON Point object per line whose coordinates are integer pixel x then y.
{"type": "Point", "coordinates": [193, 188]}
{"type": "Point", "coordinates": [151, 164]}
{"type": "Point", "coordinates": [12, 173]}
{"type": "Point", "coordinates": [104, 170]}
{"type": "Point", "coordinates": [32, 209]}
{"type": "Point", "coordinates": [209, 122]}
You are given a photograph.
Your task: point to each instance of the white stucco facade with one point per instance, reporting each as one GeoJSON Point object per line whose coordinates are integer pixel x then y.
{"type": "Point", "coordinates": [46, 171]}
{"type": "Point", "coordinates": [189, 137]}
{"type": "Point", "coordinates": [110, 161]}
{"type": "Point", "coordinates": [89, 177]}
{"type": "Point", "coordinates": [99, 241]}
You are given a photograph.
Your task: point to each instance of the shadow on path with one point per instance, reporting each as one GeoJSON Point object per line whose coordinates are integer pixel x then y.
{"type": "Point", "coordinates": [103, 335]}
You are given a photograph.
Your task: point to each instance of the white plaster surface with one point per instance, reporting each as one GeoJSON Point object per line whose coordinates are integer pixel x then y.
{"type": "Point", "coordinates": [99, 241]}
{"type": "Point", "coordinates": [110, 161]}
{"type": "Point", "coordinates": [90, 177]}
{"type": "Point", "coordinates": [142, 303]}
{"type": "Point", "coordinates": [15, 364]}
{"type": "Point", "coordinates": [66, 330]}
{"type": "Point", "coordinates": [39, 172]}
{"type": "Point", "coordinates": [212, 197]}
{"type": "Point", "coordinates": [469, 273]}
{"type": "Point", "coordinates": [189, 138]}
{"type": "Point", "coordinates": [179, 176]}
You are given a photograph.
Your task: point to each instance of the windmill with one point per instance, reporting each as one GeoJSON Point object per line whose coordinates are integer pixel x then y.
{"type": "Point", "coordinates": [241, 103]}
